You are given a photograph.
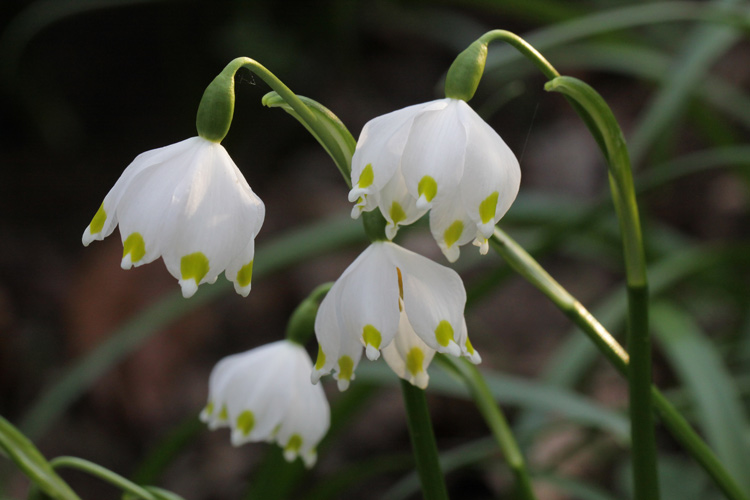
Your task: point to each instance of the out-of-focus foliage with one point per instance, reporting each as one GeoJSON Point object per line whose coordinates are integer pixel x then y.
{"type": "Point", "coordinates": [109, 366]}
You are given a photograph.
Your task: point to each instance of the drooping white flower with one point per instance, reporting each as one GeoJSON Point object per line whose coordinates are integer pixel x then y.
{"type": "Point", "coordinates": [188, 203]}
{"type": "Point", "coordinates": [383, 297]}
{"type": "Point", "coordinates": [265, 394]}
{"type": "Point", "coordinates": [439, 155]}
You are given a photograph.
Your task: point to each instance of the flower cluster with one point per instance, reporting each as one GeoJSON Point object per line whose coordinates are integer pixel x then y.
{"type": "Point", "coordinates": [189, 204]}
{"type": "Point", "coordinates": [184, 203]}
{"type": "Point", "coordinates": [441, 156]}
{"type": "Point", "coordinates": [265, 394]}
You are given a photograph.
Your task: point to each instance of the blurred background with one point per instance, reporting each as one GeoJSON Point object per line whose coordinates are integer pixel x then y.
{"type": "Point", "coordinates": [112, 366]}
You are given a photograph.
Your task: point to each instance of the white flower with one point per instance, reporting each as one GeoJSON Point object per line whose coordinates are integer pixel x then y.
{"type": "Point", "coordinates": [389, 295]}
{"type": "Point", "coordinates": [439, 155]}
{"type": "Point", "coordinates": [265, 394]}
{"type": "Point", "coordinates": [188, 203]}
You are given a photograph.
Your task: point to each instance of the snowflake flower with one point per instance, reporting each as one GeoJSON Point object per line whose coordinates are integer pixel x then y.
{"type": "Point", "coordinates": [265, 394]}
{"type": "Point", "coordinates": [383, 297]}
{"type": "Point", "coordinates": [188, 203]}
{"type": "Point", "coordinates": [438, 155]}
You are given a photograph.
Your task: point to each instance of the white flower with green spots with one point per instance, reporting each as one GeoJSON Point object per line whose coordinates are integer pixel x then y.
{"type": "Point", "coordinates": [438, 155]}
{"type": "Point", "coordinates": [392, 299]}
{"type": "Point", "coordinates": [188, 203]}
{"type": "Point", "coordinates": [265, 394]}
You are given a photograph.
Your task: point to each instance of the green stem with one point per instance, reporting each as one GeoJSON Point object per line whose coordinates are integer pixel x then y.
{"type": "Point", "coordinates": [301, 109]}
{"type": "Point", "coordinates": [526, 266]}
{"type": "Point", "coordinates": [103, 474]}
{"type": "Point", "coordinates": [496, 421]}
{"type": "Point", "coordinates": [301, 324]}
{"type": "Point", "coordinates": [639, 339]}
{"type": "Point", "coordinates": [423, 443]}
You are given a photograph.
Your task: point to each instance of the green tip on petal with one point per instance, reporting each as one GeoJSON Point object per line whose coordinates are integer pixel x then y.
{"type": "Point", "coordinates": [194, 266]}
{"type": "Point", "coordinates": [294, 444]}
{"type": "Point", "coordinates": [453, 233]}
{"type": "Point", "coordinates": [135, 247]}
{"type": "Point", "coordinates": [245, 275]}
{"type": "Point", "coordinates": [487, 208]}
{"type": "Point", "coordinates": [97, 223]}
{"type": "Point", "coordinates": [444, 333]}
{"type": "Point", "coordinates": [223, 414]}
{"type": "Point", "coordinates": [346, 368]}
{"type": "Point", "coordinates": [246, 422]}
{"type": "Point", "coordinates": [427, 187]}
{"type": "Point", "coordinates": [415, 360]}
{"type": "Point", "coordinates": [209, 408]}
{"type": "Point", "coordinates": [397, 213]}
{"type": "Point", "coordinates": [321, 361]}
{"type": "Point", "coordinates": [371, 336]}
{"type": "Point", "coordinates": [366, 178]}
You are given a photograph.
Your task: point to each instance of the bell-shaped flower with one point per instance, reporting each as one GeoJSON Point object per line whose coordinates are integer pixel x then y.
{"type": "Point", "coordinates": [188, 203]}
{"type": "Point", "coordinates": [265, 394]}
{"type": "Point", "coordinates": [441, 156]}
{"type": "Point", "coordinates": [387, 294]}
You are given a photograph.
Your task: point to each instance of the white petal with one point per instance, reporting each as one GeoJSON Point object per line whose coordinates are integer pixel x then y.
{"type": "Point", "coordinates": [380, 146]}
{"type": "Point", "coordinates": [147, 202]}
{"type": "Point", "coordinates": [491, 171]}
{"type": "Point", "coordinates": [142, 162]}
{"type": "Point", "coordinates": [397, 205]}
{"type": "Point", "coordinates": [308, 417]}
{"type": "Point", "coordinates": [434, 299]}
{"type": "Point", "coordinates": [451, 225]}
{"type": "Point", "coordinates": [214, 213]}
{"type": "Point", "coordinates": [408, 356]}
{"type": "Point", "coordinates": [432, 163]}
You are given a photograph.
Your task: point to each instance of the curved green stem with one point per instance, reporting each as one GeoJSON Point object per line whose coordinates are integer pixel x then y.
{"type": "Point", "coordinates": [529, 268]}
{"type": "Point", "coordinates": [307, 113]}
{"type": "Point", "coordinates": [496, 421]}
{"type": "Point", "coordinates": [103, 474]}
{"type": "Point", "coordinates": [524, 48]}
{"type": "Point", "coordinates": [423, 443]}
{"type": "Point", "coordinates": [639, 339]}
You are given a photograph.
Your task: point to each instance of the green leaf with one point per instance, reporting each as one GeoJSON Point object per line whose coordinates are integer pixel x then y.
{"type": "Point", "coordinates": [702, 370]}
{"type": "Point", "coordinates": [32, 463]}
{"type": "Point", "coordinates": [341, 149]}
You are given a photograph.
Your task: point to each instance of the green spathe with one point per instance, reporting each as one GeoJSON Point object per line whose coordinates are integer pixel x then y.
{"type": "Point", "coordinates": [466, 71]}
{"type": "Point", "coordinates": [216, 108]}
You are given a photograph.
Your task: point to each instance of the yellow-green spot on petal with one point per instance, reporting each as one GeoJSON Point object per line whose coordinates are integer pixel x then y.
{"type": "Point", "coordinates": [246, 422]}
{"type": "Point", "coordinates": [223, 414]}
{"type": "Point", "coordinates": [194, 266]}
{"type": "Point", "coordinates": [346, 368]}
{"type": "Point", "coordinates": [97, 223]}
{"type": "Point", "coordinates": [321, 361]}
{"type": "Point", "coordinates": [453, 233]}
{"type": "Point", "coordinates": [444, 333]}
{"type": "Point", "coordinates": [294, 444]}
{"type": "Point", "coordinates": [367, 177]}
{"type": "Point", "coordinates": [469, 347]}
{"type": "Point", "coordinates": [487, 208]}
{"type": "Point", "coordinates": [245, 275]}
{"type": "Point", "coordinates": [397, 213]}
{"type": "Point", "coordinates": [210, 408]}
{"type": "Point", "coordinates": [415, 360]}
{"type": "Point", "coordinates": [371, 336]}
{"type": "Point", "coordinates": [135, 246]}
{"type": "Point", "coordinates": [427, 187]}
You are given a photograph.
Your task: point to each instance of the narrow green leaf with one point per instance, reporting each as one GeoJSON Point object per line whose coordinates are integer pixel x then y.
{"type": "Point", "coordinates": [32, 463]}
{"type": "Point", "coordinates": [342, 149]}
{"type": "Point", "coordinates": [701, 368]}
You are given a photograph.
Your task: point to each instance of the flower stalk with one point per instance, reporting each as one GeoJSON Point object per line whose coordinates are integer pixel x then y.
{"type": "Point", "coordinates": [423, 443]}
